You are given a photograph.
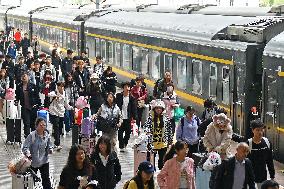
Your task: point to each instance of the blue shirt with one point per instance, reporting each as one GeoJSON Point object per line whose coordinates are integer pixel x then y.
{"type": "Point", "coordinates": [189, 131]}
{"type": "Point", "coordinates": [38, 148]}
{"type": "Point", "coordinates": [239, 174]}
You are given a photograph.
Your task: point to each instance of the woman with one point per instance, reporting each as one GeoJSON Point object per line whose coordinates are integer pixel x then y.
{"type": "Point", "coordinates": [56, 62]}
{"type": "Point", "coordinates": [107, 167]}
{"type": "Point", "coordinates": [72, 94]}
{"type": "Point", "coordinates": [78, 165]}
{"type": "Point", "coordinates": [171, 101]}
{"type": "Point", "coordinates": [47, 86]}
{"type": "Point", "coordinates": [144, 178]}
{"type": "Point", "coordinates": [4, 84]}
{"type": "Point", "coordinates": [187, 130]}
{"type": "Point", "coordinates": [59, 103]}
{"type": "Point", "coordinates": [95, 93]}
{"type": "Point", "coordinates": [140, 94]}
{"type": "Point", "coordinates": [159, 127]}
{"type": "Point", "coordinates": [109, 80]}
{"type": "Point", "coordinates": [178, 171]}
{"type": "Point", "coordinates": [109, 118]}
{"type": "Point", "coordinates": [37, 147]}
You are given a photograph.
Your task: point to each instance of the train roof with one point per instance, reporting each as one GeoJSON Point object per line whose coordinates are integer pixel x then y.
{"type": "Point", "coordinates": [180, 27]}
{"type": "Point", "coordinates": [235, 11]}
{"type": "Point", "coordinates": [275, 47]}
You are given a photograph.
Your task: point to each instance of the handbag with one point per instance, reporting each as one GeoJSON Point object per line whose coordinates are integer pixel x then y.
{"type": "Point", "coordinates": [178, 113]}
{"type": "Point", "coordinates": [141, 103]}
{"type": "Point", "coordinates": [105, 124]}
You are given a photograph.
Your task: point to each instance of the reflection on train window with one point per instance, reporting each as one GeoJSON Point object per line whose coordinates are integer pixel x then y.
{"type": "Point", "coordinates": [140, 60]}
{"type": "Point", "coordinates": [98, 47]}
{"type": "Point", "coordinates": [126, 57]}
{"type": "Point", "coordinates": [196, 76]}
{"type": "Point", "coordinates": [226, 85]}
{"type": "Point", "coordinates": [68, 40]}
{"type": "Point", "coordinates": [168, 62]}
{"type": "Point", "coordinates": [103, 49]}
{"type": "Point", "coordinates": [156, 64]}
{"type": "Point", "coordinates": [64, 39]}
{"type": "Point", "coordinates": [61, 38]}
{"type": "Point", "coordinates": [271, 93]}
{"type": "Point", "coordinates": [110, 51]}
{"type": "Point", "coordinates": [117, 54]}
{"type": "Point", "coordinates": [74, 41]}
{"type": "Point", "coordinates": [181, 72]}
{"type": "Point", "coordinates": [213, 81]}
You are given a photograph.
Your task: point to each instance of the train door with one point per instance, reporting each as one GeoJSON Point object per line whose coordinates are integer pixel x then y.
{"type": "Point", "coordinates": [271, 109]}
{"type": "Point", "coordinates": [238, 99]}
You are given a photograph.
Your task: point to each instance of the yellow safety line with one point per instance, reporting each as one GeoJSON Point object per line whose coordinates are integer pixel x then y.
{"type": "Point", "coordinates": [281, 74]}
{"type": "Point", "coordinates": [168, 50]}
{"type": "Point", "coordinates": [280, 129]}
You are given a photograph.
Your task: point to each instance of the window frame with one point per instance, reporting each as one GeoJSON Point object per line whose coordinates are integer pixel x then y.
{"type": "Point", "coordinates": [215, 77]}
{"type": "Point", "coordinates": [177, 71]}
{"type": "Point", "coordinates": [199, 62]}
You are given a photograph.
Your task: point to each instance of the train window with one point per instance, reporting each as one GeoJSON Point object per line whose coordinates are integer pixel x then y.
{"type": "Point", "coordinates": [117, 54]}
{"type": "Point", "coordinates": [156, 64]}
{"type": "Point", "coordinates": [126, 57]}
{"type": "Point", "coordinates": [68, 40]}
{"type": "Point", "coordinates": [64, 39]}
{"type": "Point", "coordinates": [181, 72]}
{"type": "Point", "coordinates": [61, 38]}
{"type": "Point", "coordinates": [213, 81]}
{"type": "Point", "coordinates": [98, 47]}
{"type": "Point", "coordinates": [110, 51]}
{"type": "Point", "coordinates": [169, 62]}
{"type": "Point", "coordinates": [196, 76]}
{"type": "Point", "coordinates": [140, 60]}
{"type": "Point", "coordinates": [226, 85]}
{"type": "Point", "coordinates": [103, 49]}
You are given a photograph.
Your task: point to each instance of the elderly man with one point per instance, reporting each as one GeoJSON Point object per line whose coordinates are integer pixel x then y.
{"type": "Point", "coordinates": [236, 172]}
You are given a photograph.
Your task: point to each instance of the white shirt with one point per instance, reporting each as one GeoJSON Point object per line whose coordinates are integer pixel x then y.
{"type": "Point", "coordinates": [104, 160]}
{"type": "Point", "coordinates": [125, 107]}
{"type": "Point", "coordinates": [183, 175]}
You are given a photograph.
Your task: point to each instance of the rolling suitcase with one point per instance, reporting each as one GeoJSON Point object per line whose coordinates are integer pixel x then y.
{"type": "Point", "coordinates": [22, 181]}
{"type": "Point", "coordinates": [43, 113]}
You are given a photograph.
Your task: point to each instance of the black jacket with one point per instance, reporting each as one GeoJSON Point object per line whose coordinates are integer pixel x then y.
{"type": "Point", "coordinates": [67, 65]}
{"type": "Point", "coordinates": [25, 43]}
{"type": "Point", "coordinates": [131, 109]}
{"type": "Point", "coordinates": [33, 95]}
{"type": "Point", "coordinates": [107, 176]}
{"type": "Point", "coordinates": [84, 76]}
{"type": "Point", "coordinates": [95, 93]}
{"type": "Point", "coordinates": [224, 178]}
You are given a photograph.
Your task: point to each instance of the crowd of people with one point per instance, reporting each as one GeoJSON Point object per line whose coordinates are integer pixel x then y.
{"type": "Point", "coordinates": [55, 83]}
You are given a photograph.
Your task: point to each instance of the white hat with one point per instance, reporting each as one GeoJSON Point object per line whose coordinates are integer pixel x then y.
{"type": "Point", "coordinates": [94, 76]}
{"type": "Point", "coordinates": [158, 103]}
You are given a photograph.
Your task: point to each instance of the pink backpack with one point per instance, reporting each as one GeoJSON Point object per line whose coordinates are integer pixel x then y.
{"type": "Point", "coordinates": [81, 103]}
{"type": "Point", "coordinates": [10, 94]}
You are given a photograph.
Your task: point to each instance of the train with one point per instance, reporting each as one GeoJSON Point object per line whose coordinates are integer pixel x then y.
{"type": "Point", "coordinates": [233, 57]}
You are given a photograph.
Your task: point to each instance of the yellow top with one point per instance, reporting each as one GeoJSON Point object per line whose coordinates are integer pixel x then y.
{"type": "Point", "coordinates": [133, 185]}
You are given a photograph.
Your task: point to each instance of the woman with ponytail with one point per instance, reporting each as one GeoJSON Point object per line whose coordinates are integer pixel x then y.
{"type": "Point", "coordinates": [178, 171]}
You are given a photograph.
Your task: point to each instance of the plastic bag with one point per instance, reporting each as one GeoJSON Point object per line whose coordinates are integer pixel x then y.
{"type": "Point", "coordinates": [19, 165]}
{"type": "Point", "coordinates": [213, 160]}
{"type": "Point", "coordinates": [178, 113]}
{"type": "Point", "coordinates": [134, 127]}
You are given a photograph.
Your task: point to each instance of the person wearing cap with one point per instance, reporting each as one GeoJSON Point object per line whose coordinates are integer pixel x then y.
{"type": "Point", "coordinates": [140, 93]}
{"type": "Point", "coordinates": [127, 106]}
{"type": "Point", "coordinates": [85, 58]}
{"type": "Point", "coordinates": [178, 171]}
{"type": "Point", "coordinates": [94, 91]}
{"type": "Point", "coordinates": [99, 66]}
{"type": "Point", "coordinates": [28, 95]}
{"type": "Point", "coordinates": [109, 80]}
{"type": "Point", "coordinates": [261, 154]}
{"type": "Point", "coordinates": [144, 178]}
{"type": "Point", "coordinates": [67, 62]}
{"type": "Point", "coordinates": [159, 127]}
{"type": "Point", "coordinates": [37, 147]}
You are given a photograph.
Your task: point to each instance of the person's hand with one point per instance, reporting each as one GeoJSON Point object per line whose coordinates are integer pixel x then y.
{"type": "Point", "coordinates": [94, 116]}
{"type": "Point", "coordinates": [83, 182]}
{"type": "Point", "coordinates": [118, 125]}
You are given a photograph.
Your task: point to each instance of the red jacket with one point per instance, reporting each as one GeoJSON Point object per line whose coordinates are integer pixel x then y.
{"type": "Point", "coordinates": [18, 36]}
{"type": "Point", "coordinates": [137, 92]}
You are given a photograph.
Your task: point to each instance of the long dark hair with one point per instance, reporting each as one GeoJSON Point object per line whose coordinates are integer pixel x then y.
{"type": "Point", "coordinates": [113, 96]}
{"type": "Point", "coordinates": [72, 164]}
{"type": "Point", "coordinates": [179, 145]}
{"type": "Point", "coordinates": [67, 82]}
{"type": "Point", "coordinates": [106, 140]}
{"type": "Point", "coordinates": [139, 182]}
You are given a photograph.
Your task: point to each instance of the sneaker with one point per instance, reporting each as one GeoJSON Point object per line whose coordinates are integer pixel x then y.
{"type": "Point", "coordinates": [121, 149]}
{"type": "Point", "coordinates": [58, 148]}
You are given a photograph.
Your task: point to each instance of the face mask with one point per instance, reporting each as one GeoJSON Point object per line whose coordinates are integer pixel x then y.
{"type": "Point", "coordinates": [94, 81]}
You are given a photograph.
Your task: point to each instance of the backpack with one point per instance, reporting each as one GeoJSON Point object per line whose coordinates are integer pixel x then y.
{"type": "Point", "coordinates": [125, 186]}
{"type": "Point", "coordinates": [264, 138]}
{"type": "Point", "coordinates": [157, 89]}
{"type": "Point", "coordinates": [182, 123]}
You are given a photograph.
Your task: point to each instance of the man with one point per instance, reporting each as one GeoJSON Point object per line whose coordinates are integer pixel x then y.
{"type": "Point", "coordinates": [270, 184]}
{"type": "Point", "coordinates": [25, 44]}
{"type": "Point", "coordinates": [85, 58]}
{"type": "Point", "coordinates": [18, 38]}
{"type": "Point", "coordinates": [29, 59]}
{"type": "Point", "coordinates": [127, 106]}
{"type": "Point", "coordinates": [99, 66]}
{"type": "Point", "coordinates": [50, 67]}
{"type": "Point", "coordinates": [20, 68]}
{"type": "Point", "coordinates": [36, 46]}
{"type": "Point", "coordinates": [28, 95]}
{"type": "Point", "coordinates": [67, 62]}
{"type": "Point", "coordinates": [42, 59]}
{"type": "Point", "coordinates": [8, 64]}
{"type": "Point", "coordinates": [236, 172]}
{"type": "Point", "coordinates": [161, 85]}
{"type": "Point", "coordinates": [81, 77]}
{"type": "Point", "coordinates": [260, 153]}
{"type": "Point", "coordinates": [12, 51]}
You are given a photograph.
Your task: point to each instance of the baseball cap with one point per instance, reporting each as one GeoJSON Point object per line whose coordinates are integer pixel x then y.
{"type": "Point", "coordinates": [146, 166]}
